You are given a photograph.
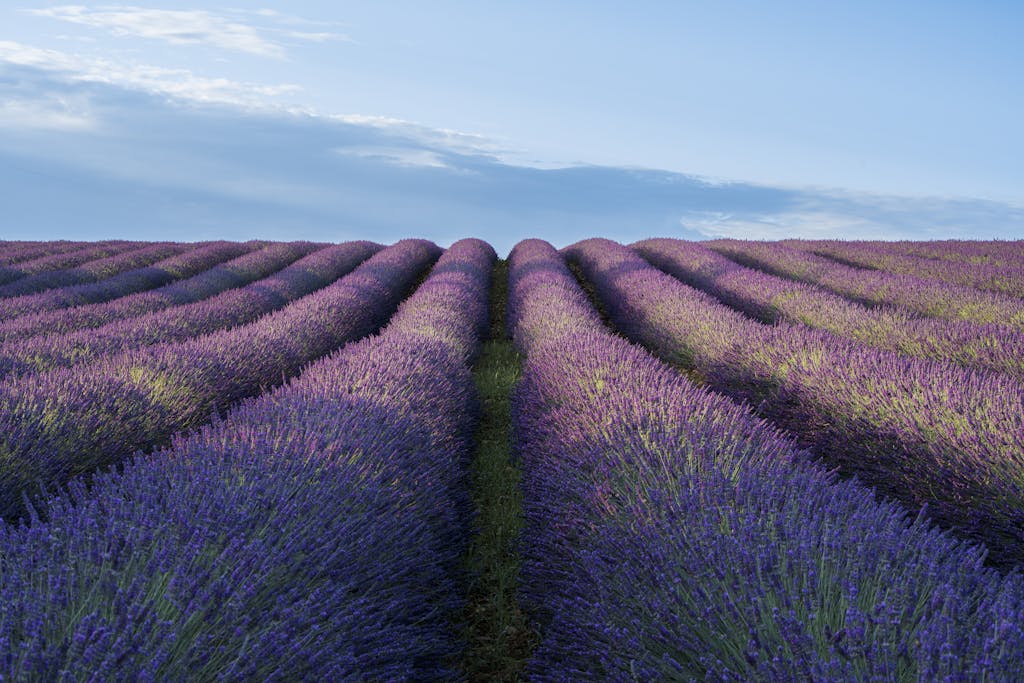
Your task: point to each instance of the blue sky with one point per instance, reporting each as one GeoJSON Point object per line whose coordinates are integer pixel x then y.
{"type": "Point", "coordinates": [330, 121]}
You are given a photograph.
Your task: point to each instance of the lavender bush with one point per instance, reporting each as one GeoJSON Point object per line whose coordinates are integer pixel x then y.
{"type": "Point", "coordinates": [62, 260]}
{"type": "Point", "coordinates": [926, 432]}
{"type": "Point", "coordinates": [18, 252]}
{"type": "Point", "coordinates": [314, 534]}
{"type": "Point", "coordinates": [19, 292]}
{"type": "Point", "coordinates": [924, 297]}
{"type": "Point", "coordinates": [228, 309]}
{"type": "Point", "coordinates": [185, 264]}
{"type": "Point", "coordinates": [71, 421]}
{"type": "Point", "coordinates": [994, 277]}
{"type": "Point", "coordinates": [773, 299]}
{"type": "Point", "coordinates": [672, 535]}
{"type": "Point", "coordinates": [218, 278]}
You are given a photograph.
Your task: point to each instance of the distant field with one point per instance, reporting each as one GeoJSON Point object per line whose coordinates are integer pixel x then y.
{"type": "Point", "coordinates": [670, 460]}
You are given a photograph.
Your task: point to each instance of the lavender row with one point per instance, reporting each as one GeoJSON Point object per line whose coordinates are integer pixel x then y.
{"type": "Point", "coordinates": [925, 432]}
{"type": "Point", "coordinates": [183, 261]}
{"type": "Point", "coordinates": [772, 299]}
{"type": "Point", "coordinates": [312, 535]}
{"type": "Point", "coordinates": [63, 260]}
{"type": "Point", "coordinates": [226, 310]}
{"type": "Point", "coordinates": [71, 421]}
{"type": "Point", "coordinates": [671, 535]}
{"type": "Point", "coordinates": [18, 252]}
{"type": "Point", "coordinates": [237, 272]}
{"type": "Point", "coordinates": [925, 297]}
{"type": "Point", "coordinates": [981, 252]}
{"type": "Point", "coordinates": [15, 246]}
{"type": "Point", "coordinates": [22, 295]}
{"type": "Point", "coordinates": [994, 252]}
{"type": "Point", "coordinates": [1000, 278]}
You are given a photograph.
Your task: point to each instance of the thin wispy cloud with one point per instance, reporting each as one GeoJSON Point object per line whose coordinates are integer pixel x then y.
{"type": "Point", "coordinates": [314, 36]}
{"type": "Point", "coordinates": [794, 224]}
{"type": "Point", "coordinates": [176, 83]}
{"type": "Point", "coordinates": [398, 156]}
{"type": "Point", "coordinates": [46, 113]}
{"type": "Point", "coordinates": [187, 27]}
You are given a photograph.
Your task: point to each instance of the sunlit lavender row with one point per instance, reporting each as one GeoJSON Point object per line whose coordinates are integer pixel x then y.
{"type": "Point", "coordinates": [54, 262]}
{"type": "Point", "coordinates": [1005, 277]}
{"type": "Point", "coordinates": [19, 294]}
{"type": "Point", "coordinates": [926, 297]}
{"type": "Point", "coordinates": [231, 308]}
{"type": "Point", "coordinates": [996, 252]}
{"type": "Point", "coordinates": [185, 263]}
{"type": "Point", "coordinates": [12, 253]}
{"type": "Point", "coordinates": [253, 265]}
{"type": "Point", "coordinates": [771, 299]}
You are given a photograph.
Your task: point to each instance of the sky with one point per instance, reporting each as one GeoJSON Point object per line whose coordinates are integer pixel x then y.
{"type": "Point", "coordinates": [381, 120]}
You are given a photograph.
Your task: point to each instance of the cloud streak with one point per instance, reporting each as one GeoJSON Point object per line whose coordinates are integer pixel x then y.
{"type": "Point", "coordinates": [186, 27]}
{"type": "Point", "coordinates": [178, 83]}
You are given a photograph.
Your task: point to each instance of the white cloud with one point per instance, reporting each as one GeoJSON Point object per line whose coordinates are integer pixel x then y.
{"type": "Point", "coordinates": [452, 140]}
{"type": "Point", "coordinates": [398, 156]}
{"type": "Point", "coordinates": [177, 83]}
{"type": "Point", "coordinates": [315, 36]}
{"type": "Point", "coordinates": [793, 224]}
{"type": "Point", "coordinates": [46, 113]}
{"type": "Point", "coordinates": [186, 27]}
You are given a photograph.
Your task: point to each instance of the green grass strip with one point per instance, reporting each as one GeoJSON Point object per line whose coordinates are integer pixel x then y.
{"type": "Point", "coordinates": [499, 639]}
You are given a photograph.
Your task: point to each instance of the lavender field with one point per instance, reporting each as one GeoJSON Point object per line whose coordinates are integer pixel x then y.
{"type": "Point", "coordinates": [660, 461]}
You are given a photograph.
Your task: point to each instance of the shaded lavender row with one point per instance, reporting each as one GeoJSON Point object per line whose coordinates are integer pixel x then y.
{"type": "Point", "coordinates": [183, 261]}
{"type": "Point", "coordinates": [990, 277]}
{"type": "Point", "coordinates": [923, 431]}
{"type": "Point", "coordinates": [23, 295]}
{"type": "Point", "coordinates": [926, 297]}
{"type": "Point", "coordinates": [772, 299]}
{"type": "Point", "coordinates": [71, 421]}
{"type": "Point", "coordinates": [671, 535]}
{"type": "Point", "coordinates": [62, 260]}
{"type": "Point", "coordinates": [219, 278]}
{"type": "Point", "coordinates": [312, 535]}
{"type": "Point", "coordinates": [226, 310]}
{"type": "Point", "coordinates": [17, 252]}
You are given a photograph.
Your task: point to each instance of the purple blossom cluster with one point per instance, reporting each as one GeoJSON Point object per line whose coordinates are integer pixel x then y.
{"type": "Point", "coordinates": [18, 294]}
{"type": "Point", "coordinates": [672, 535]}
{"type": "Point", "coordinates": [219, 277]}
{"type": "Point", "coordinates": [873, 287]}
{"type": "Point", "coordinates": [772, 299]}
{"type": "Point", "coordinates": [313, 534]}
{"type": "Point", "coordinates": [72, 421]}
{"type": "Point", "coordinates": [1006, 279]}
{"type": "Point", "coordinates": [189, 261]}
{"type": "Point", "coordinates": [61, 259]}
{"type": "Point", "coordinates": [925, 432]}
{"type": "Point", "coordinates": [229, 309]}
